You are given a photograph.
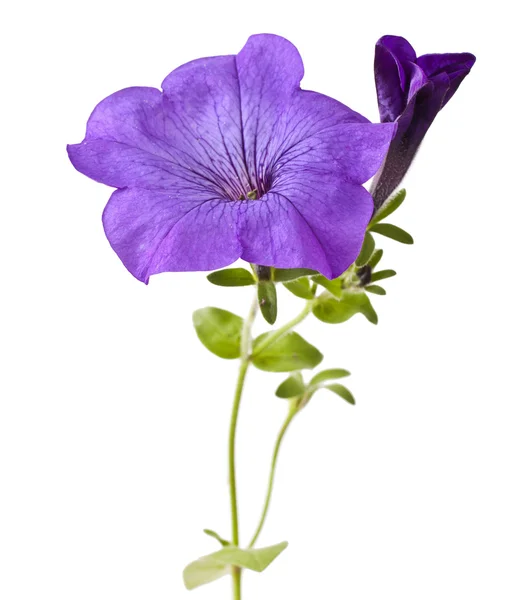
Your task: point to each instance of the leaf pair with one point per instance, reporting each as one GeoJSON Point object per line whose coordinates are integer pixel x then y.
{"type": "Point", "coordinates": [267, 296]}
{"type": "Point", "coordinates": [238, 277]}
{"type": "Point", "coordinates": [220, 332]}
{"type": "Point", "coordinates": [218, 564]}
{"type": "Point", "coordinates": [295, 387]}
{"type": "Point", "coordinates": [387, 229]}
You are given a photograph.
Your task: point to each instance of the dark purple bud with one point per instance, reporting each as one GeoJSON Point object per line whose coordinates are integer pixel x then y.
{"type": "Point", "coordinates": [411, 91]}
{"type": "Point", "coordinates": [365, 275]}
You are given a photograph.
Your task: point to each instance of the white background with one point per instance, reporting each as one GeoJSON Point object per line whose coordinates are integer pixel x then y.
{"type": "Point", "coordinates": [114, 418]}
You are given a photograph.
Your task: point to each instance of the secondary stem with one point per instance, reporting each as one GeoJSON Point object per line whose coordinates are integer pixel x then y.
{"type": "Point", "coordinates": [279, 439]}
{"type": "Point", "coordinates": [244, 365]}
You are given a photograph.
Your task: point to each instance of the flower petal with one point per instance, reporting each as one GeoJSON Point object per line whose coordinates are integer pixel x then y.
{"type": "Point", "coordinates": [354, 151]}
{"type": "Point", "coordinates": [207, 115]}
{"type": "Point", "coordinates": [393, 56]}
{"type": "Point", "coordinates": [125, 143]}
{"type": "Point", "coordinates": [269, 71]}
{"type": "Point", "coordinates": [189, 136]}
{"type": "Point", "coordinates": [456, 65]}
{"type": "Point", "coordinates": [153, 232]}
{"type": "Point", "coordinates": [336, 210]}
{"type": "Point", "coordinates": [311, 221]}
{"type": "Point", "coordinates": [273, 233]}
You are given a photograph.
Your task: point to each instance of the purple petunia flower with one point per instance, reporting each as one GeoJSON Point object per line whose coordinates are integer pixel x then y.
{"type": "Point", "coordinates": [233, 160]}
{"type": "Point", "coordinates": [411, 91]}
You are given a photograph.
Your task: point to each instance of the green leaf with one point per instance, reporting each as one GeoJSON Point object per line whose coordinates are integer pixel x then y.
{"type": "Point", "coordinates": [219, 331]}
{"type": "Point", "coordinates": [328, 374]}
{"type": "Point", "coordinates": [291, 274]}
{"type": "Point", "coordinates": [300, 287]}
{"type": "Point", "coordinates": [332, 285]}
{"type": "Point", "coordinates": [375, 259]}
{"type": "Point", "coordinates": [231, 277]}
{"type": "Point", "coordinates": [216, 536]}
{"type": "Point", "coordinates": [375, 289]}
{"type": "Point", "coordinates": [342, 391]}
{"type": "Point", "coordinates": [216, 565]}
{"type": "Point", "coordinates": [385, 274]}
{"type": "Point", "coordinates": [330, 310]}
{"type": "Point", "coordinates": [290, 388]}
{"type": "Point", "coordinates": [366, 250]}
{"type": "Point", "coordinates": [267, 299]}
{"type": "Point", "coordinates": [288, 353]}
{"type": "Point", "coordinates": [389, 206]}
{"type": "Point", "coordinates": [393, 232]}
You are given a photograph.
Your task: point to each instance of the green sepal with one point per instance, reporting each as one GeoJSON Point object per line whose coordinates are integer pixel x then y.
{"type": "Point", "coordinates": [366, 250]}
{"type": "Point", "coordinates": [219, 331]}
{"type": "Point", "coordinates": [288, 353]}
{"type": "Point", "coordinates": [291, 274]}
{"type": "Point", "coordinates": [216, 536]}
{"type": "Point", "coordinates": [331, 310]}
{"type": "Point", "coordinates": [327, 375]}
{"type": "Point", "coordinates": [300, 287]}
{"type": "Point", "coordinates": [334, 286]}
{"type": "Point", "coordinates": [268, 301]}
{"type": "Point", "coordinates": [375, 259]}
{"type": "Point", "coordinates": [375, 289]}
{"type": "Point", "coordinates": [385, 274]}
{"type": "Point", "coordinates": [293, 386]}
{"type": "Point", "coordinates": [389, 206]}
{"type": "Point", "coordinates": [213, 566]}
{"type": "Point", "coordinates": [342, 391]}
{"type": "Point", "coordinates": [231, 277]}
{"type": "Point", "coordinates": [393, 232]}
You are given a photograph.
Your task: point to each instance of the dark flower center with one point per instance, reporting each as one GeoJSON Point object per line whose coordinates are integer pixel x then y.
{"type": "Point", "coordinates": [247, 188]}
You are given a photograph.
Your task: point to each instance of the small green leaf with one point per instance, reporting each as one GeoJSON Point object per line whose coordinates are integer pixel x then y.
{"type": "Point", "coordinates": [342, 391]}
{"type": "Point", "coordinates": [365, 307]}
{"type": "Point", "coordinates": [290, 388]}
{"type": "Point", "coordinates": [375, 289]}
{"type": "Point", "coordinates": [219, 331]}
{"type": "Point", "coordinates": [334, 286]}
{"type": "Point", "coordinates": [366, 250]}
{"type": "Point", "coordinates": [216, 565]}
{"type": "Point", "coordinates": [328, 374]}
{"type": "Point", "coordinates": [231, 277]}
{"type": "Point", "coordinates": [216, 536]}
{"type": "Point", "coordinates": [204, 570]}
{"type": "Point", "coordinates": [375, 259]}
{"type": "Point", "coordinates": [267, 299]}
{"type": "Point", "coordinates": [330, 310]}
{"type": "Point", "coordinates": [300, 287]}
{"type": "Point", "coordinates": [385, 274]}
{"type": "Point", "coordinates": [291, 274]}
{"type": "Point", "coordinates": [288, 353]}
{"type": "Point", "coordinates": [393, 232]}
{"type": "Point", "coordinates": [389, 206]}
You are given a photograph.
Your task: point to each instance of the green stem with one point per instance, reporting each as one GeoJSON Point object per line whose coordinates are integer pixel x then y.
{"type": "Point", "coordinates": [292, 412]}
{"type": "Point", "coordinates": [244, 364]}
{"type": "Point", "coordinates": [278, 333]}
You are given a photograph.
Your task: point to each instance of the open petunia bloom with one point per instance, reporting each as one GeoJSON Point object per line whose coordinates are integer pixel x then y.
{"type": "Point", "coordinates": [411, 91]}
{"type": "Point", "coordinates": [233, 160]}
